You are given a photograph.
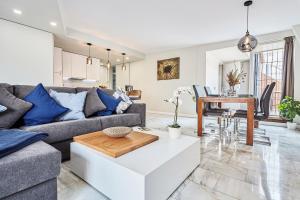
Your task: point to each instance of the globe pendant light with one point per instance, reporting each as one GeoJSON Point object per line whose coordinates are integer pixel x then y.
{"type": "Point", "coordinates": [89, 60]}
{"type": "Point", "coordinates": [108, 64]}
{"type": "Point", "coordinates": [248, 42]}
{"type": "Point", "coordinates": [123, 64]}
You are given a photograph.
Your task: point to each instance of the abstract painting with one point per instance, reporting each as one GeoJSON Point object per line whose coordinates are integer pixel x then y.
{"type": "Point", "coordinates": [168, 69]}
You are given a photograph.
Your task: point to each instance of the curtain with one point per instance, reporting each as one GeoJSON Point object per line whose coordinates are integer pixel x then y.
{"type": "Point", "coordinates": [288, 68]}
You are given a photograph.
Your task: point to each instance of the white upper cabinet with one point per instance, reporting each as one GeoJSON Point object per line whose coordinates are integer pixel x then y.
{"type": "Point", "coordinates": [78, 66]}
{"type": "Point", "coordinates": [67, 64]}
{"type": "Point", "coordinates": [74, 65]}
{"type": "Point", "coordinates": [103, 75]}
{"type": "Point", "coordinates": [57, 60]}
{"type": "Point", "coordinates": [93, 70]}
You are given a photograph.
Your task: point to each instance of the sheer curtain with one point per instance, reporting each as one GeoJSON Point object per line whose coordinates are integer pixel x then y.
{"type": "Point", "coordinates": [288, 68]}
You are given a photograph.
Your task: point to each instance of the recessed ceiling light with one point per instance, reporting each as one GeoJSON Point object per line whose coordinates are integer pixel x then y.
{"type": "Point", "coordinates": [17, 11]}
{"type": "Point", "coordinates": [118, 60]}
{"type": "Point", "coordinates": [127, 58]}
{"type": "Point", "coordinates": [53, 24]}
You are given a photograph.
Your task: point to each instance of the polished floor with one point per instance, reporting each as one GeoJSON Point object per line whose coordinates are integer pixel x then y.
{"type": "Point", "coordinates": [228, 170]}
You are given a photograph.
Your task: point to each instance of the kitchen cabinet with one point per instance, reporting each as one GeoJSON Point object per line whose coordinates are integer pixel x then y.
{"type": "Point", "coordinates": [74, 65]}
{"type": "Point", "coordinates": [78, 66]}
{"type": "Point", "coordinates": [93, 70]}
{"type": "Point", "coordinates": [67, 64]}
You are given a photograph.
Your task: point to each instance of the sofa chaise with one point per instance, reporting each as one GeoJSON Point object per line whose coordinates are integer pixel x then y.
{"type": "Point", "coordinates": [31, 173]}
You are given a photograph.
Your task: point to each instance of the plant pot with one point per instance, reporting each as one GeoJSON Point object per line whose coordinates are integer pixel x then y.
{"type": "Point", "coordinates": [174, 132]}
{"type": "Point", "coordinates": [291, 125]}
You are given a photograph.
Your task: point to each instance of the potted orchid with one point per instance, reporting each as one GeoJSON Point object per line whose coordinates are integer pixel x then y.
{"type": "Point", "coordinates": [174, 129]}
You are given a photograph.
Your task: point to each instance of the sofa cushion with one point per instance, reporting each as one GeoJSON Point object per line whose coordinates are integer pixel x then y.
{"type": "Point", "coordinates": [9, 88]}
{"type": "Point", "coordinates": [21, 91]}
{"type": "Point", "coordinates": [132, 119]}
{"type": "Point", "coordinates": [109, 101]}
{"type": "Point", "coordinates": [28, 167]}
{"type": "Point", "coordinates": [74, 102]}
{"type": "Point", "coordinates": [45, 109]}
{"type": "Point", "coordinates": [16, 108]}
{"type": "Point", "coordinates": [93, 103]}
{"type": "Point", "coordinates": [65, 130]}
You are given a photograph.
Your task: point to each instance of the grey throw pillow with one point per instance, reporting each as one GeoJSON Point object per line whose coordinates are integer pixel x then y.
{"type": "Point", "coordinates": [93, 103]}
{"type": "Point", "coordinates": [16, 108]}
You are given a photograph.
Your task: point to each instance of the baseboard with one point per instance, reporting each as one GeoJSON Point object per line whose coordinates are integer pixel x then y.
{"type": "Point", "coordinates": [171, 114]}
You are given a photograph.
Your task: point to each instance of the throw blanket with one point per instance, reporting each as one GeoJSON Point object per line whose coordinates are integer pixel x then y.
{"type": "Point", "coordinates": [12, 140]}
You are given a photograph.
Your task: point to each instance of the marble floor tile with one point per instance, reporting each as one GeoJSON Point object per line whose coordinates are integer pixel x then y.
{"type": "Point", "coordinates": [228, 170]}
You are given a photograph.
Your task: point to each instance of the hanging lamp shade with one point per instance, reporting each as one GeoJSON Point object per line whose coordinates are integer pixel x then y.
{"type": "Point", "coordinates": [108, 63]}
{"type": "Point", "coordinates": [123, 64]}
{"type": "Point", "coordinates": [248, 42]}
{"type": "Point", "coordinates": [89, 59]}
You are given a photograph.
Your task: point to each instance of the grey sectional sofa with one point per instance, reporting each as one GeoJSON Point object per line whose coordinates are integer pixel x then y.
{"type": "Point", "coordinates": [31, 172]}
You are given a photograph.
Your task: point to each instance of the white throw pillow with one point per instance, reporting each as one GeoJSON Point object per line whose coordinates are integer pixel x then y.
{"type": "Point", "coordinates": [75, 102]}
{"type": "Point", "coordinates": [124, 104]}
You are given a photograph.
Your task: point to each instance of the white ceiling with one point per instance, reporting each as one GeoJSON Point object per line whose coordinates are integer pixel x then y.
{"type": "Point", "coordinates": [140, 26]}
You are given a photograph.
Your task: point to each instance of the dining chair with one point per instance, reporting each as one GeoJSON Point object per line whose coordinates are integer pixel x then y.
{"type": "Point", "coordinates": [264, 112]}
{"type": "Point", "coordinates": [208, 111]}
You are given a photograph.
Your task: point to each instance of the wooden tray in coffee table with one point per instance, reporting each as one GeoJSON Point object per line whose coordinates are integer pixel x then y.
{"type": "Point", "coordinates": [115, 147]}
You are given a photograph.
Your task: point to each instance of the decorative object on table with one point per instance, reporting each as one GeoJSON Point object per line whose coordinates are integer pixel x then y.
{"type": "Point", "coordinates": [168, 69]}
{"type": "Point", "coordinates": [174, 129]}
{"type": "Point", "coordinates": [118, 131]}
{"type": "Point", "coordinates": [144, 128]}
{"type": "Point", "coordinates": [248, 42]}
{"type": "Point", "coordinates": [234, 78]}
{"type": "Point", "coordinates": [289, 108]}
{"type": "Point", "coordinates": [125, 103]}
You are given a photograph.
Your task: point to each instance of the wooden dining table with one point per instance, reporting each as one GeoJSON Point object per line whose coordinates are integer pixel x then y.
{"type": "Point", "coordinates": [250, 101]}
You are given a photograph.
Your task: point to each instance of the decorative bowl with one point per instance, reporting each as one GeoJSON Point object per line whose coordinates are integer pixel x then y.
{"type": "Point", "coordinates": [120, 131]}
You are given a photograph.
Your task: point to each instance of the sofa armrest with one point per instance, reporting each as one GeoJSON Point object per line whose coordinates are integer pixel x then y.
{"type": "Point", "coordinates": [138, 108]}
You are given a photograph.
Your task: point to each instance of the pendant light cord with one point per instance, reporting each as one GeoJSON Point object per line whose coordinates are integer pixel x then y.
{"type": "Point", "coordinates": [247, 17]}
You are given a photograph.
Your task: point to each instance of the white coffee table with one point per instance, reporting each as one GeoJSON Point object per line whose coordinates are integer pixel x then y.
{"type": "Point", "coordinates": [152, 172]}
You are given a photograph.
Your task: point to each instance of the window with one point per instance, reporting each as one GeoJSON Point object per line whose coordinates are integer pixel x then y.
{"type": "Point", "coordinates": [268, 69]}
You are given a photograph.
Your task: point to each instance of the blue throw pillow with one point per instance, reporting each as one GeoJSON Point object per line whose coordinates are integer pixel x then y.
{"type": "Point", "coordinates": [44, 109]}
{"type": "Point", "coordinates": [109, 101]}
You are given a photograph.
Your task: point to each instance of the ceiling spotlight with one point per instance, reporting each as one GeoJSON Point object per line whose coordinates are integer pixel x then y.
{"type": "Point", "coordinates": [17, 11]}
{"type": "Point", "coordinates": [108, 64]}
{"type": "Point", "coordinates": [127, 58]}
{"type": "Point", "coordinates": [53, 23]}
{"type": "Point", "coordinates": [89, 59]}
{"type": "Point", "coordinates": [118, 60]}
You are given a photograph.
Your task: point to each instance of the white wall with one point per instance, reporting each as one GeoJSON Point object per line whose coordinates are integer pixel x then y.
{"type": "Point", "coordinates": [144, 77]}
{"type": "Point", "coordinates": [26, 55]}
{"type": "Point", "coordinates": [192, 71]}
{"type": "Point", "coordinates": [212, 71]}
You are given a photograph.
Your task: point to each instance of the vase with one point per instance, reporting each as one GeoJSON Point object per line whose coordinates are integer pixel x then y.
{"type": "Point", "coordinates": [291, 125]}
{"type": "Point", "coordinates": [174, 132]}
